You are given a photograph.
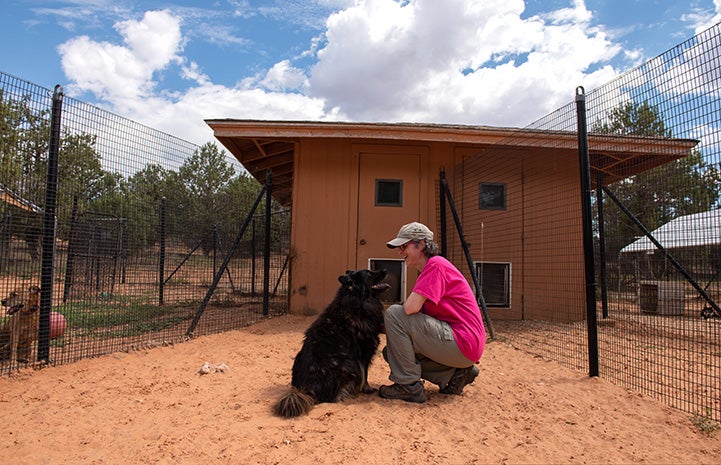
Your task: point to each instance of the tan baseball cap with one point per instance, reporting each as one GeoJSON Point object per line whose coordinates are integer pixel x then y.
{"type": "Point", "coordinates": [410, 232]}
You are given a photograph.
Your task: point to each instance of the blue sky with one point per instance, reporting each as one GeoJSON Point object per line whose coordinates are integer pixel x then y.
{"type": "Point", "coordinates": [172, 64]}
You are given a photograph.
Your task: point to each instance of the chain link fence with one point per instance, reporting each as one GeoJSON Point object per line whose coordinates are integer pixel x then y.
{"type": "Point", "coordinates": [142, 223]}
{"type": "Point", "coordinates": [654, 152]}
{"type": "Point", "coordinates": [145, 221]}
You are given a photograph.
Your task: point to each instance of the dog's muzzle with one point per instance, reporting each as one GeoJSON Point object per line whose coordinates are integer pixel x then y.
{"type": "Point", "coordinates": [14, 309]}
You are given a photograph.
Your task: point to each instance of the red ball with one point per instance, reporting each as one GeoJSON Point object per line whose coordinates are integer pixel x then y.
{"type": "Point", "coordinates": [58, 324]}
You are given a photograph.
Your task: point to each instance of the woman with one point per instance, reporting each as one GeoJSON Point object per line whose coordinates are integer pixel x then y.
{"type": "Point", "coordinates": [438, 333]}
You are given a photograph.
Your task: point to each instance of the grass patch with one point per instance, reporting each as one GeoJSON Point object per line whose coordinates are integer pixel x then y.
{"type": "Point", "coordinates": [705, 423]}
{"type": "Point", "coordinates": [120, 316]}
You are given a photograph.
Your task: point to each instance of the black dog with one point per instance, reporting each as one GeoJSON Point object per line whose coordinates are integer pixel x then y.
{"type": "Point", "coordinates": [338, 347]}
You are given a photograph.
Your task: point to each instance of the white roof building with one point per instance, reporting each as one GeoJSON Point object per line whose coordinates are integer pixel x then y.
{"type": "Point", "coordinates": [685, 231]}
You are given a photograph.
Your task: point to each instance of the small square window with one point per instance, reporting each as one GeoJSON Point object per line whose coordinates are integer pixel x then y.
{"type": "Point", "coordinates": [389, 193]}
{"type": "Point", "coordinates": [491, 196]}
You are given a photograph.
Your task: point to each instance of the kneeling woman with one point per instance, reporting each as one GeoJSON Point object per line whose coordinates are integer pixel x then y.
{"type": "Point", "coordinates": [438, 333]}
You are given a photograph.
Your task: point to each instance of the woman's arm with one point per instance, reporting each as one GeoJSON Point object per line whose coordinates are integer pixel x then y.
{"type": "Point", "coordinates": [413, 303]}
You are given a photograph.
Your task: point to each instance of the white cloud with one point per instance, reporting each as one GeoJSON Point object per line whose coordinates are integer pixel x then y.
{"type": "Point", "coordinates": [194, 73]}
{"type": "Point", "coordinates": [120, 73]}
{"type": "Point", "coordinates": [466, 61]}
{"type": "Point", "coordinates": [455, 61]}
{"type": "Point", "coordinates": [220, 35]}
{"type": "Point", "coordinates": [282, 77]}
{"type": "Point", "coordinates": [703, 19]}
{"type": "Point", "coordinates": [155, 40]}
{"type": "Point", "coordinates": [185, 116]}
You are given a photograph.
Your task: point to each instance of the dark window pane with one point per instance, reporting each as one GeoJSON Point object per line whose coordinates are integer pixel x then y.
{"type": "Point", "coordinates": [491, 196]}
{"type": "Point", "coordinates": [389, 192]}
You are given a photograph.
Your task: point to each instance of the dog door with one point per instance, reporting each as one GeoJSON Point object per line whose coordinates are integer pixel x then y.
{"type": "Point", "coordinates": [395, 276]}
{"type": "Point", "coordinates": [495, 280]}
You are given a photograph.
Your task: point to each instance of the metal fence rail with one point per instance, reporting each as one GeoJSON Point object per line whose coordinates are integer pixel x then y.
{"type": "Point", "coordinates": [659, 330]}
{"type": "Point", "coordinates": [143, 221]}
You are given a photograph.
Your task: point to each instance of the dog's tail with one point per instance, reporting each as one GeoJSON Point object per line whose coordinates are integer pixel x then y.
{"type": "Point", "coordinates": [294, 404]}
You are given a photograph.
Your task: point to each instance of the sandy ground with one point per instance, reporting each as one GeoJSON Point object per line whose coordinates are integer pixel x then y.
{"type": "Point", "coordinates": [153, 406]}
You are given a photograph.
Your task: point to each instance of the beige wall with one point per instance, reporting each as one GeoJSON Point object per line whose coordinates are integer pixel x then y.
{"type": "Point", "coordinates": [334, 228]}
{"type": "Point", "coordinates": [323, 194]}
{"type": "Point", "coordinates": [542, 206]}
{"type": "Point", "coordinates": [539, 232]}
{"type": "Point", "coordinates": [553, 244]}
{"type": "Point", "coordinates": [493, 235]}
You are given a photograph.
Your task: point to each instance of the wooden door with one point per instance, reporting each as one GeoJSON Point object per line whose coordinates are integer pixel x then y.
{"type": "Point", "coordinates": [389, 196]}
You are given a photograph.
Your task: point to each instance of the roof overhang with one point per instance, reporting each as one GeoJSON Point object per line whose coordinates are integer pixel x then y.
{"type": "Point", "coordinates": [11, 198]}
{"type": "Point", "coordinates": [271, 145]}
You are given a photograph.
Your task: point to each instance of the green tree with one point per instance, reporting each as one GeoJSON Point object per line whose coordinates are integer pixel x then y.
{"type": "Point", "coordinates": [24, 133]}
{"type": "Point", "coordinates": [81, 176]}
{"type": "Point", "coordinates": [24, 139]}
{"type": "Point", "coordinates": [682, 187]}
{"type": "Point", "coordinates": [138, 204]}
{"type": "Point", "coordinates": [24, 150]}
{"type": "Point", "coordinates": [197, 192]}
{"type": "Point", "coordinates": [631, 118]}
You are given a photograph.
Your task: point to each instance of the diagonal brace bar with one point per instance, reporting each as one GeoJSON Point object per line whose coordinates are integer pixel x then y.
{"type": "Point", "coordinates": [666, 253]}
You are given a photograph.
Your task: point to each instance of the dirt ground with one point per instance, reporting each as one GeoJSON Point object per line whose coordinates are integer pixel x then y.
{"type": "Point", "coordinates": [154, 406]}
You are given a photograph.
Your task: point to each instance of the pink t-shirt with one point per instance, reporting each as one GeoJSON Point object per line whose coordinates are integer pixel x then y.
{"type": "Point", "coordinates": [449, 298]}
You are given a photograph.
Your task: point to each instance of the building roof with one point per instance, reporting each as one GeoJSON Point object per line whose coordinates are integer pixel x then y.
{"type": "Point", "coordinates": [16, 200]}
{"type": "Point", "coordinates": [685, 231]}
{"type": "Point", "coordinates": [263, 145]}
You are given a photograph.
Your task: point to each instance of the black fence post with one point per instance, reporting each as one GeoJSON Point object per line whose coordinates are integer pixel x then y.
{"type": "Point", "coordinates": [161, 261]}
{"type": "Point", "coordinates": [49, 226]}
{"type": "Point", "coordinates": [253, 233]}
{"type": "Point", "coordinates": [602, 244]}
{"type": "Point", "coordinates": [587, 232]}
{"type": "Point", "coordinates": [442, 198]}
{"type": "Point", "coordinates": [123, 250]}
{"type": "Point", "coordinates": [266, 246]}
{"type": "Point", "coordinates": [215, 248]}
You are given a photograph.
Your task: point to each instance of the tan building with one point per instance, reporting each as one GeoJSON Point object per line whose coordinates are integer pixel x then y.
{"type": "Point", "coordinates": [352, 185]}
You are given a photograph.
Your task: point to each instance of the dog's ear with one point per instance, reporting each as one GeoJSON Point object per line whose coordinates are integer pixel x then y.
{"type": "Point", "coordinates": [347, 277]}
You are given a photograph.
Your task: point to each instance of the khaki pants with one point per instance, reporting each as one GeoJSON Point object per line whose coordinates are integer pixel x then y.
{"type": "Point", "coordinates": [420, 346]}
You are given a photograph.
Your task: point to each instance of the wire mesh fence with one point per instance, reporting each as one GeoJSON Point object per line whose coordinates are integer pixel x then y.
{"type": "Point", "coordinates": [143, 222]}
{"type": "Point", "coordinates": [654, 146]}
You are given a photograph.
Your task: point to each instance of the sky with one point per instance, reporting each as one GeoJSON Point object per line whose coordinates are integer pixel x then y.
{"type": "Point", "coordinates": [171, 65]}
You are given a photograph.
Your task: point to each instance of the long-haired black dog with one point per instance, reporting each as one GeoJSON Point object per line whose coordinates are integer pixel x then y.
{"type": "Point", "coordinates": [332, 365]}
